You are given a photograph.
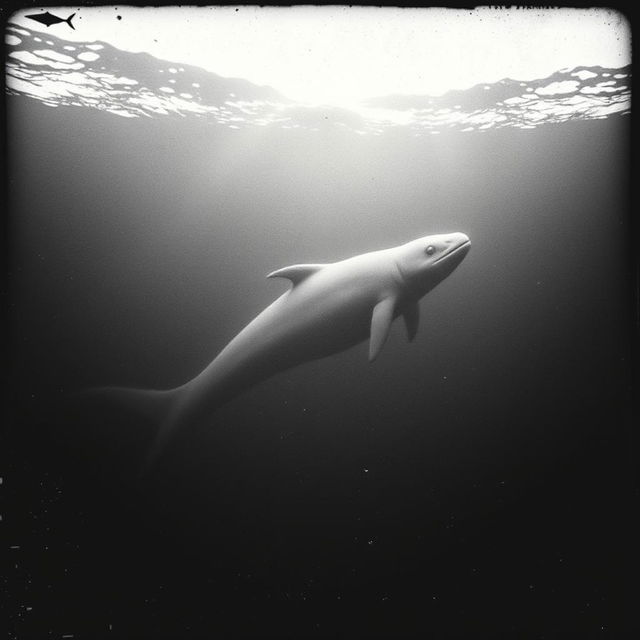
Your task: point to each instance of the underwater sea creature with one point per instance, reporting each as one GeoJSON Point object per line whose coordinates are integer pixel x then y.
{"type": "Point", "coordinates": [48, 19]}
{"type": "Point", "coordinates": [329, 308]}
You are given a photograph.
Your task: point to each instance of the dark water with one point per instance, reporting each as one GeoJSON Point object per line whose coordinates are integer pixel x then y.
{"type": "Point", "coordinates": [475, 483]}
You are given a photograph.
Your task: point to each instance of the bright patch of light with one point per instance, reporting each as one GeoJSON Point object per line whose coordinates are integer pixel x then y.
{"type": "Point", "coordinates": [22, 32]}
{"type": "Point", "coordinates": [54, 55]}
{"type": "Point", "coordinates": [29, 58]}
{"type": "Point", "coordinates": [515, 100]}
{"type": "Point", "coordinates": [597, 89]}
{"type": "Point", "coordinates": [88, 56]}
{"type": "Point", "coordinates": [583, 74]}
{"type": "Point", "coordinates": [567, 86]}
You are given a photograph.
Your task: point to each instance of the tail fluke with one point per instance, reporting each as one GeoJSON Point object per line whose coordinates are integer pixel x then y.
{"type": "Point", "coordinates": [148, 404]}
{"type": "Point", "coordinates": [160, 409]}
{"type": "Point", "coordinates": [68, 21]}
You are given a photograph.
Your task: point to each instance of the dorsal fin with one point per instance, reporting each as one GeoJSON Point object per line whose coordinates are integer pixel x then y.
{"type": "Point", "coordinates": [296, 272]}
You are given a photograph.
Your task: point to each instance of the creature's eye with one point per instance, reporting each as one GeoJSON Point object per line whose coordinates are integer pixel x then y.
{"type": "Point", "coordinates": [430, 250]}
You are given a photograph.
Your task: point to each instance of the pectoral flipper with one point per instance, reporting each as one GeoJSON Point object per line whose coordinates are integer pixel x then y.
{"type": "Point", "coordinates": [380, 325]}
{"type": "Point", "coordinates": [411, 316]}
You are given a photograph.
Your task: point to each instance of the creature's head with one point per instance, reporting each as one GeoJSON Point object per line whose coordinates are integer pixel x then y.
{"type": "Point", "coordinates": [425, 262]}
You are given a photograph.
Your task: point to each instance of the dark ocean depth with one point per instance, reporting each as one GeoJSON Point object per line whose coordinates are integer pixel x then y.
{"type": "Point", "coordinates": [476, 483]}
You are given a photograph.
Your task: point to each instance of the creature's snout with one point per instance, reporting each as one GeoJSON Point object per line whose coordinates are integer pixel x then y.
{"type": "Point", "coordinates": [458, 247]}
{"type": "Point", "coordinates": [458, 239]}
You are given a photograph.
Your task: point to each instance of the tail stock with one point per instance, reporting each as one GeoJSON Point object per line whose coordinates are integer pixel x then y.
{"type": "Point", "coordinates": [155, 408]}
{"type": "Point", "coordinates": [149, 404]}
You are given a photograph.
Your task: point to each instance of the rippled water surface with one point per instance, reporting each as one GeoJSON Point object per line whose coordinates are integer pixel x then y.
{"type": "Point", "coordinates": [137, 85]}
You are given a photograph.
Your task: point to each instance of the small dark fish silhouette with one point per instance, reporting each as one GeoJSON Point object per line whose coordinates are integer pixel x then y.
{"type": "Point", "coordinates": [49, 19]}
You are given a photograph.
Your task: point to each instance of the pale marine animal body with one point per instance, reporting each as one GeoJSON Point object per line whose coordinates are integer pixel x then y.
{"type": "Point", "coordinates": [329, 308]}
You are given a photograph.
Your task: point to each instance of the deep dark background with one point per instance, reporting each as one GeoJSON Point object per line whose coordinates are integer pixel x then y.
{"type": "Point", "coordinates": [476, 483]}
